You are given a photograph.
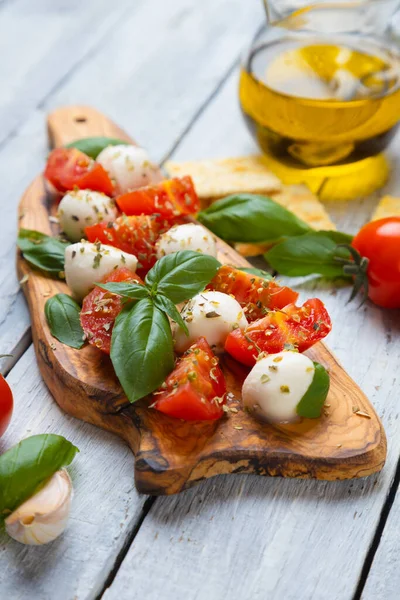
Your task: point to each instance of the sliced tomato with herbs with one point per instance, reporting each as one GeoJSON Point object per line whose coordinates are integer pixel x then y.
{"type": "Point", "coordinates": [100, 309]}
{"type": "Point", "coordinates": [170, 198]}
{"type": "Point", "coordinates": [196, 389]}
{"type": "Point", "coordinates": [255, 294]}
{"type": "Point", "coordinates": [136, 235]}
{"type": "Point", "coordinates": [69, 168]}
{"type": "Point", "coordinates": [294, 327]}
{"type": "Point", "coordinates": [6, 405]}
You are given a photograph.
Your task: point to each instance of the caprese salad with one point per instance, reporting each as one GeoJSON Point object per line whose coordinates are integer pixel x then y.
{"type": "Point", "coordinates": [147, 290]}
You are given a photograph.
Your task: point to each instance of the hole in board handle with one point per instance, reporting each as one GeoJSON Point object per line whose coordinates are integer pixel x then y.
{"type": "Point", "coordinates": [80, 119]}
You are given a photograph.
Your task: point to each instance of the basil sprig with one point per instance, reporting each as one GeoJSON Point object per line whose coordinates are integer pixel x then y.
{"type": "Point", "coordinates": [251, 218]}
{"type": "Point", "coordinates": [311, 404]}
{"type": "Point", "coordinates": [311, 253]}
{"type": "Point", "coordinates": [27, 465]}
{"type": "Point", "coordinates": [94, 145]}
{"type": "Point", "coordinates": [42, 251]}
{"type": "Point", "coordinates": [142, 350]}
{"type": "Point", "coordinates": [62, 314]}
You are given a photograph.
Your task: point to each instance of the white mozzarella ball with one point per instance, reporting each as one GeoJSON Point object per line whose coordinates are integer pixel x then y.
{"type": "Point", "coordinates": [212, 315]}
{"type": "Point", "coordinates": [81, 208]}
{"type": "Point", "coordinates": [129, 167]}
{"type": "Point", "coordinates": [86, 264]}
{"type": "Point", "coordinates": [186, 237]}
{"type": "Point", "coordinates": [276, 384]}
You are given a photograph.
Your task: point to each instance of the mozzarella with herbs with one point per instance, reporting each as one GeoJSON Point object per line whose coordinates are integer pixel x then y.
{"type": "Point", "coordinates": [212, 315]}
{"type": "Point", "coordinates": [86, 264]}
{"type": "Point", "coordinates": [81, 208]}
{"type": "Point", "coordinates": [276, 385]}
{"type": "Point", "coordinates": [129, 167]}
{"type": "Point", "coordinates": [186, 237]}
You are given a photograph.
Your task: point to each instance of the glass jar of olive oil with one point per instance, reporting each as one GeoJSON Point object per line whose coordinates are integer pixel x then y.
{"type": "Point", "coordinates": [320, 87]}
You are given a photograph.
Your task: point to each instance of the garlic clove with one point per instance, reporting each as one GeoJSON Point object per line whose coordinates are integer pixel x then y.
{"type": "Point", "coordinates": [43, 517]}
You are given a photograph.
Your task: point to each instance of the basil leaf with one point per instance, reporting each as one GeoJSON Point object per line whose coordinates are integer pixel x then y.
{"type": "Point", "coordinates": [134, 291]}
{"type": "Point", "coordinates": [306, 255]}
{"type": "Point", "coordinates": [94, 145]}
{"type": "Point", "coordinates": [62, 314]}
{"type": "Point", "coordinates": [182, 275]}
{"type": "Point", "coordinates": [142, 348]}
{"type": "Point", "coordinates": [166, 305]}
{"type": "Point", "coordinates": [42, 251]}
{"type": "Point", "coordinates": [27, 465]}
{"type": "Point", "coordinates": [251, 218]}
{"type": "Point", "coordinates": [311, 404]}
{"type": "Point", "coordinates": [257, 272]}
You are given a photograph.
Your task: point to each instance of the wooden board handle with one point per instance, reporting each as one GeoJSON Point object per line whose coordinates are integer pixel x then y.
{"type": "Point", "coordinates": [70, 123]}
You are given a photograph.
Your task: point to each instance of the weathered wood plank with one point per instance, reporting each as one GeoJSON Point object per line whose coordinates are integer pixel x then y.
{"type": "Point", "coordinates": [152, 86]}
{"type": "Point", "coordinates": [105, 507]}
{"type": "Point", "coordinates": [252, 537]}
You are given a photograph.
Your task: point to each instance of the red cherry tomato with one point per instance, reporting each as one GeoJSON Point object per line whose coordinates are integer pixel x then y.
{"type": "Point", "coordinates": [195, 390]}
{"type": "Point", "coordinates": [100, 309]}
{"type": "Point", "coordinates": [170, 198]}
{"type": "Point", "coordinates": [379, 241]}
{"type": "Point", "coordinates": [300, 327]}
{"type": "Point", "coordinates": [69, 168]}
{"type": "Point", "coordinates": [6, 405]}
{"type": "Point", "coordinates": [254, 294]}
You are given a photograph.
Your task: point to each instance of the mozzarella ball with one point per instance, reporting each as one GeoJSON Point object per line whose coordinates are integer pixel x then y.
{"type": "Point", "coordinates": [86, 264]}
{"type": "Point", "coordinates": [212, 315]}
{"type": "Point", "coordinates": [129, 167]}
{"type": "Point", "coordinates": [81, 208]}
{"type": "Point", "coordinates": [276, 384]}
{"type": "Point", "coordinates": [186, 237]}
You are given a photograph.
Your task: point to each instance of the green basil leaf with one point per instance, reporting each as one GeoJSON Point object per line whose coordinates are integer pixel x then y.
{"type": "Point", "coordinates": [94, 145]}
{"type": "Point", "coordinates": [27, 465]}
{"type": "Point", "coordinates": [181, 275]}
{"type": "Point", "coordinates": [251, 218]}
{"type": "Point", "coordinates": [336, 236]}
{"type": "Point", "coordinates": [42, 251]}
{"type": "Point", "coordinates": [258, 272]}
{"type": "Point", "coordinates": [142, 348]}
{"type": "Point", "coordinates": [133, 291]}
{"type": "Point", "coordinates": [312, 402]}
{"type": "Point", "coordinates": [306, 255]}
{"type": "Point", "coordinates": [166, 305]}
{"type": "Point", "coordinates": [62, 314]}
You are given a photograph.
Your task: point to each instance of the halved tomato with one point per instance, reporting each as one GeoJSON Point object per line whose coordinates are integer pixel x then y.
{"type": "Point", "coordinates": [255, 294]}
{"type": "Point", "coordinates": [136, 235]}
{"type": "Point", "coordinates": [100, 309]}
{"type": "Point", "coordinates": [293, 327]}
{"type": "Point", "coordinates": [170, 198]}
{"type": "Point", "coordinates": [195, 390]}
{"type": "Point", "coordinates": [69, 168]}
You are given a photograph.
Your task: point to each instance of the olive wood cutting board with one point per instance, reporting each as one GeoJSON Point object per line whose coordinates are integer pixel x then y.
{"type": "Point", "coordinates": [172, 455]}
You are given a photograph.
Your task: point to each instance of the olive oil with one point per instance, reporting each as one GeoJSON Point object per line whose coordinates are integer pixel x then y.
{"type": "Point", "coordinates": [311, 104]}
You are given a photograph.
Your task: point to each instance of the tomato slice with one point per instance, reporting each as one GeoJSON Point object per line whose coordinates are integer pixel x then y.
{"type": "Point", "coordinates": [299, 327]}
{"type": "Point", "coordinates": [170, 198]}
{"type": "Point", "coordinates": [255, 294]}
{"type": "Point", "coordinates": [195, 390]}
{"type": "Point", "coordinates": [100, 309]}
{"type": "Point", "coordinates": [136, 235]}
{"type": "Point", "coordinates": [69, 168]}
{"type": "Point", "coordinates": [6, 405]}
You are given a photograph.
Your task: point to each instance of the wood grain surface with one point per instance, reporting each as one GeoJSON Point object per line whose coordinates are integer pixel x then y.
{"type": "Point", "coordinates": [172, 455]}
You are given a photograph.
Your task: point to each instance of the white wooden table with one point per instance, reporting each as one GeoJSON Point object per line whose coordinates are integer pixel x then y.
{"type": "Point", "coordinates": [166, 71]}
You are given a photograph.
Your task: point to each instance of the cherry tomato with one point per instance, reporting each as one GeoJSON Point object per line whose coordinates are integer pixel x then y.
{"type": "Point", "coordinates": [195, 390]}
{"type": "Point", "coordinates": [299, 327]}
{"type": "Point", "coordinates": [379, 242]}
{"type": "Point", "coordinates": [170, 198]}
{"type": "Point", "coordinates": [254, 294]}
{"type": "Point", "coordinates": [100, 309]}
{"type": "Point", "coordinates": [136, 235]}
{"type": "Point", "coordinates": [69, 168]}
{"type": "Point", "coordinates": [6, 405]}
